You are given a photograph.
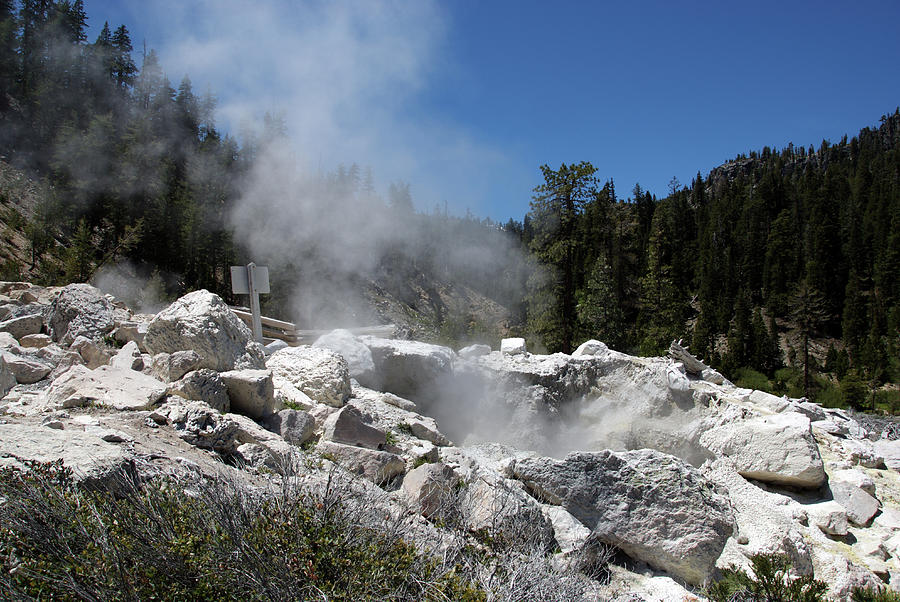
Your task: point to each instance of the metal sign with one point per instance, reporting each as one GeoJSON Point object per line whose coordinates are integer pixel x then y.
{"type": "Point", "coordinates": [240, 279]}
{"type": "Point", "coordinates": [251, 280]}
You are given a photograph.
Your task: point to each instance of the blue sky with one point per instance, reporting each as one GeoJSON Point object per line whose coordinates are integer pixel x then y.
{"type": "Point", "coordinates": [465, 100]}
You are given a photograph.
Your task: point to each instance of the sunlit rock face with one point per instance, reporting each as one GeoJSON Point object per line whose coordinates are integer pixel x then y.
{"type": "Point", "coordinates": [661, 457]}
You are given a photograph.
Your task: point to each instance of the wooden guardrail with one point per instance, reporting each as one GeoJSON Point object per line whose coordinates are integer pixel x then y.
{"type": "Point", "coordinates": [287, 331]}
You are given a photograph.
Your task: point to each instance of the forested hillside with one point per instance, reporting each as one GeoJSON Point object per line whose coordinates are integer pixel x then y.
{"type": "Point", "coordinates": [782, 267]}
{"type": "Point", "coordinates": [107, 163]}
{"type": "Point", "coordinates": [771, 252]}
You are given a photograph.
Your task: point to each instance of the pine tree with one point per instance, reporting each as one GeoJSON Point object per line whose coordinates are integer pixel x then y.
{"type": "Point", "coordinates": [556, 207]}
{"type": "Point", "coordinates": [808, 312]}
{"type": "Point", "coordinates": [599, 313]}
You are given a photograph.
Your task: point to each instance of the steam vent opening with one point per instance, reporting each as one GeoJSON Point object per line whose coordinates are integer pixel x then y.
{"type": "Point", "coordinates": [554, 404]}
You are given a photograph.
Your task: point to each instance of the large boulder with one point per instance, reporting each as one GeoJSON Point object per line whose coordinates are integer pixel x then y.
{"type": "Point", "coordinates": [348, 427]}
{"type": "Point", "coordinates": [251, 392]}
{"type": "Point", "coordinates": [80, 310]}
{"type": "Point", "coordinates": [23, 326]}
{"type": "Point", "coordinates": [352, 349]}
{"type": "Point", "coordinates": [777, 449]}
{"type": "Point", "coordinates": [653, 506]}
{"type": "Point", "coordinates": [408, 368]}
{"type": "Point", "coordinates": [203, 385]}
{"type": "Point", "coordinates": [380, 467]}
{"type": "Point", "coordinates": [117, 388]}
{"type": "Point", "coordinates": [295, 426]}
{"type": "Point", "coordinates": [431, 489]}
{"type": "Point", "coordinates": [90, 457]}
{"type": "Point", "coordinates": [27, 370]}
{"type": "Point", "coordinates": [859, 505]}
{"type": "Point", "coordinates": [320, 373]}
{"type": "Point", "coordinates": [201, 321]}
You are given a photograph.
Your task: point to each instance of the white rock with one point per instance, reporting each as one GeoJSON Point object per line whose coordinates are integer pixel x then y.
{"type": "Point", "coordinates": [169, 367]}
{"type": "Point", "coordinates": [856, 478]}
{"type": "Point", "coordinates": [7, 378]}
{"type": "Point", "coordinates": [767, 522]}
{"type": "Point", "coordinates": [354, 351]}
{"type": "Point", "coordinates": [431, 489]}
{"type": "Point", "coordinates": [860, 506]}
{"type": "Point", "coordinates": [513, 346]}
{"type": "Point", "coordinates": [87, 455]}
{"type": "Point", "coordinates": [93, 353]}
{"type": "Point", "coordinates": [775, 449]}
{"type": "Point", "coordinates": [35, 341]}
{"type": "Point", "coordinates": [570, 534]}
{"type": "Point", "coordinates": [289, 396]}
{"type": "Point", "coordinates": [409, 368]}
{"type": "Point", "coordinates": [320, 373]}
{"type": "Point", "coordinates": [251, 392]}
{"type": "Point", "coordinates": [295, 426]}
{"type": "Point", "coordinates": [203, 385]}
{"type": "Point", "coordinates": [863, 452]}
{"type": "Point", "coordinates": [131, 331]}
{"type": "Point", "coordinates": [107, 386]}
{"type": "Point", "coordinates": [889, 450]}
{"type": "Point", "coordinates": [590, 349]}
{"type": "Point", "coordinates": [830, 517]}
{"type": "Point", "coordinates": [201, 321]}
{"type": "Point", "coordinates": [128, 357]}
{"type": "Point", "coordinates": [476, 350]}
{"type": "Point", "coordinates": [773, 403]}
{"type": "Point", "coordinates": [377, 466]}
{"type": "Point", "coordinates": [80, 310]}
{"type": "Point", "coordinates": [713, 376]}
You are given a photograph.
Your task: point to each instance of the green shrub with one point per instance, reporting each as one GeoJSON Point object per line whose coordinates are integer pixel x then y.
{"type": "Point", "coordinates": [871, 594]}
{"type": "Point", "coordinates": [218, 542]}
{"type": "Point", "coordinates": [749, 378]}
{"type": "Point", "coordinates": [771, 581]}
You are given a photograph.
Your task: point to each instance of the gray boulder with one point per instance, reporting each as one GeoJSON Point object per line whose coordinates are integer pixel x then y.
{"type": "Point", "coordinates": [651, 505]}
{"type": "Point", "coordinates": [27, 370]}
{"type": "Point", "coordinates": [431, 489]}
{"type": "Point", "coordinates": [251, 392]}
{"type": "Point", "coordinates": [23, 326]}
{"type": "Point", "coordinates": [320, 373]}
{"type": "Point", "coordinates": [80, 310]}
{"type": "Point", "coordinates": [203, 385]}
{"type": "Point", "coordinates": [294, 426]}
{"type": "Point", "coordinates": [348, 427]}
{"type": "Point", "coordinates": [777, 449]}
{"type": "Point", "coordinates": [7, 378]}
{"type": "Point", "coordinates": [201, 321]}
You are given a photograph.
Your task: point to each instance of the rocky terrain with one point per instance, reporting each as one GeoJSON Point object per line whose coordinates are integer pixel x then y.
{"type": "Point", "coordinates": [660, 458]}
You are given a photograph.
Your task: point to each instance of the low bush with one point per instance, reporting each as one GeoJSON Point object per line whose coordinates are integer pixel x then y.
{"type": "Point", "coordinates": [770, 580]}
{"type": "Point", "coordinates": [212, 541]}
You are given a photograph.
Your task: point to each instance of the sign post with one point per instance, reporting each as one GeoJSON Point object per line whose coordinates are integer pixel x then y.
{"type": "Point", "coordinates": [251, 280]}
